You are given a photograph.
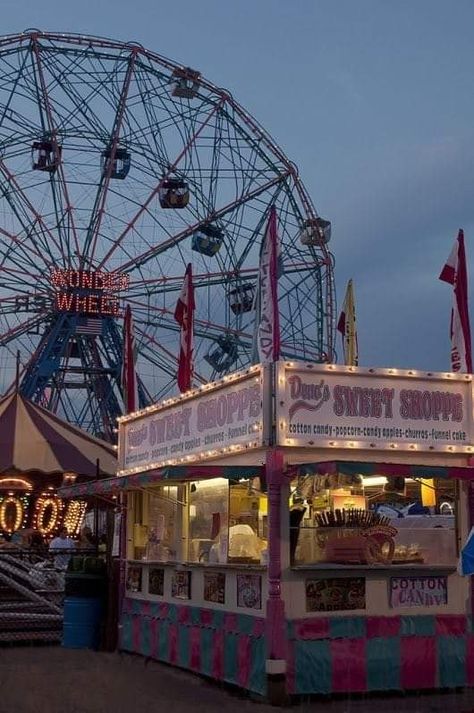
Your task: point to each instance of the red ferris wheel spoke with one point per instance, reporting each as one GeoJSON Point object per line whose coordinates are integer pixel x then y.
{"type": "Point", "coordinates": [157, 249]}
{"type": "Point", "coordinates": [99, 207]}
{"type": "Point", "coordinates": [24, 247]}
{"type": "Point", "coordinates": [37, 217]}
{"type": "Point", "coordinates": [147, 337]}
{"type": "Point", "coordinates": [154, 192]}
{"type": "Point", "coordinates": [174, 283]}
{"type": "Point", "coordinates": [68, 209]}
{"type": "Point", "coordinates": [169, 313]}
{"type": "Point", "coordinates": [19, 329]}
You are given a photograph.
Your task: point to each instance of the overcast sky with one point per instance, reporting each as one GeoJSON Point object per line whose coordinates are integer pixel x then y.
{"type": "Point", "coordinates": [372, 99]}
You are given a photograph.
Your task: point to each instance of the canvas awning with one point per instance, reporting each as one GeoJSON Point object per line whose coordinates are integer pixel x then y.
{"type": "Point", "coordinates": [113, 486]}
{"type": "Point", "coordinates": [389, 469]}
{"type": "Point", "coordinates": [33, 439]}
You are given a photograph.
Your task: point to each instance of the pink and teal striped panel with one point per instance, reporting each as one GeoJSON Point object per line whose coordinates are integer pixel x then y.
{"type": "Point", "coordinates": [227, 647]}
{"type": "Point", "coordinates": [362, 654]}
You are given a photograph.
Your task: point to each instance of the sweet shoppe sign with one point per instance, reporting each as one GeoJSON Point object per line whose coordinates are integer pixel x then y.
{"type": "Point", "coordinates": [221, 418]}
{"type": "Point", "coordinates": [321, 405]}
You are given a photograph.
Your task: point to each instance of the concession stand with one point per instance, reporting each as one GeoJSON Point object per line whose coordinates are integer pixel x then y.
{"type": "Point", "coordinates": [295, 529]}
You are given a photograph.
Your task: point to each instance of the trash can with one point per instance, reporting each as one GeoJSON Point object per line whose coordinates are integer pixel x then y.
{"type": "Point", "coordinates": [84, 603]}
{"type": "Point", "coordinates": [82, 618]}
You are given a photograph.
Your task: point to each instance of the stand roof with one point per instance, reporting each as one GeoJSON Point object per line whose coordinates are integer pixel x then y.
{"type": "Point", "coordinates": [33, 439]}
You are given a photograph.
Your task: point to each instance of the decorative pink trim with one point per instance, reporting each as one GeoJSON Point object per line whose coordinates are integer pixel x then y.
{"type": "Point", "coordinates": [206, 617]}
{"type": "Point", "coordinates": [218, 655]}
{"type": "Point", "coordinates": [383, 626]}
{"type": "Point", "coordinates": [243, 660]}
{"type": "Point", "coordinates": [349, 671]}
{"type": "Point", "coordinates": [146, 608]}
{"type": "Point", "coordinates": [312, 629]}
{"type": "Point", "coordinates": [470, 661]}
{"type": "Point", "coordinates": [195, 646]}
{"type": "Point", "coordinates": [164, 609]}
{"type": "Point", "coordinates": [183, 615]}
{"type": "Point", "coordinates": [451, 625]}
{"type": "Point", "coordinates": [418, 662]}
{"type": "Point", "coordinates": [258, 627]}
{"type": "Point", "coordinates": [276, 625]}
{"type": "Point", "coordinates": [154, 638]}
{"type": "Point", "coordinates": [230, 622]}
{"type": "Point", "coordinates": [173, 643]}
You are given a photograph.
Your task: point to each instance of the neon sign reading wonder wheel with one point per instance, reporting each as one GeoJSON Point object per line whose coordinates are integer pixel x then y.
{"type": "Point", "coordinates": [117, 168]}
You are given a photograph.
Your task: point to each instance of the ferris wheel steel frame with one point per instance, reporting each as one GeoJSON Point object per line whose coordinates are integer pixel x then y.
{"type": "Point", "coordinates": [77, 98]}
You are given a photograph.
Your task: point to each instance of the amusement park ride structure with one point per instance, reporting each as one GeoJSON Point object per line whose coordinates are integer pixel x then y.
{"type": "Point", "coordinates": [117, 168]}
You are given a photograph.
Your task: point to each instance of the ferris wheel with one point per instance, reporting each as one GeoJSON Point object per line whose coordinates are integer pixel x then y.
{"type": "Point", "coordinates": [118, 167]}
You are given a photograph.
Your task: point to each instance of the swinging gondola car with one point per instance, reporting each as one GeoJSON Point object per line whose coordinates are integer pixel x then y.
{"type": "Point", "coordinates": [120, 163]}
{"type": "Point", "coordinates": [207, 240]}
{"type": "Point", "coordinates": [315, 231]}
{"type": "Point", "coordinates": [45, 155]}
{"type": "Point", "coordinates": [185, 83]}
{"type": "Point", "coordinates": [223, 355]}
{"type": "Point", "coordinates": [173, 193]}
{"type": "Point", "coordinates": [241, 299]}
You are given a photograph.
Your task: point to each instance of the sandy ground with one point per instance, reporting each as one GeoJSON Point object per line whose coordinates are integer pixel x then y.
{"type": "Point", "coordinates": [55, 680]}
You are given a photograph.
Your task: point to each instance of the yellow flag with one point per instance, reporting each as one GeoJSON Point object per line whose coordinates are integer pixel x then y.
{"type": "Point", "coordinates": [348, 329]}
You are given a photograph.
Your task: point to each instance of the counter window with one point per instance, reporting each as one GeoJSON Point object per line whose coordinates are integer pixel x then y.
{"type": "Point", "coordinates": [376, 520]}
{"type": "Point", "coordinates": [227, 521]}
{"type": "Point", "coordinates": [208, 520]}
{"type": "Point", "coordinates": [155, 523]}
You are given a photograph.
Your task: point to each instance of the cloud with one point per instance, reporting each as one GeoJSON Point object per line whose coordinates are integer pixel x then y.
{"type": "Point", "coordinates": [393, 235]}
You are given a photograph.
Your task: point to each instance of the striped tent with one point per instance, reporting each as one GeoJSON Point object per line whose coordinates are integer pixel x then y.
{"type": "Point", "coordinates": [34, 440]}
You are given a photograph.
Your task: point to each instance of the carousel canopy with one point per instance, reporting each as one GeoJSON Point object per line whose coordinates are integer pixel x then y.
{"type": "Point", "coordinates": [33, 439]}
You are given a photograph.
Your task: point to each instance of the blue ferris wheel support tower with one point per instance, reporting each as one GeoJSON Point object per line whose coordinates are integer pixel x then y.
{"type": "Point", "coordinates": [77, 369]}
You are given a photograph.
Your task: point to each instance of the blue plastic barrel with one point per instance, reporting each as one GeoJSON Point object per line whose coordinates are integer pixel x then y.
{"type": "Point", "coordinates": [81, 627]}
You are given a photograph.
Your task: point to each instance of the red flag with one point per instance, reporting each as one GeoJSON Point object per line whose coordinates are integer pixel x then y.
{"type": "Point", "coordinates": [184, 315]}
{"type": "Point", "coordinates": [455, 272]}
{"type": "Point", "coordinates": [268, 336]}
{"type": "Point", "coordinates": [129, 375]}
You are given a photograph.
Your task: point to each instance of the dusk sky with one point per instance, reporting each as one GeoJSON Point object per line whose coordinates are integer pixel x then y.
{"type": "Point", "coordinates": [374, 102]}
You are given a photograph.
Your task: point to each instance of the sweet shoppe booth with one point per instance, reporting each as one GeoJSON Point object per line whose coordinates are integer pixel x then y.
{"type": "Point", "coordinates": [295, 529]}
{"type": "Point", "coordinates": [39, 453]}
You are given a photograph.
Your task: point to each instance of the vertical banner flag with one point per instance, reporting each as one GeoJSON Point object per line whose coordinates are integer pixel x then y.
{"type": "Point", "coordinates": [129, 374]}
{"type": "Point", "coordinates": [455, 273]}
{"type": "Point", "coordinates": [348, 329]}
{"type": "Point", "coordinates": [268, 332]}
{"type": "Point", "coordinates": [184, 315]}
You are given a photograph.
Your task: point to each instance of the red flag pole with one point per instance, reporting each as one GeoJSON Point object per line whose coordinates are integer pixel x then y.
{"type": "Point", "coordinates": [454, 272]}
{"type": "Point", "coordinates": [184, 315]}
{"type": "Point", "coordinates": [129, 377]}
